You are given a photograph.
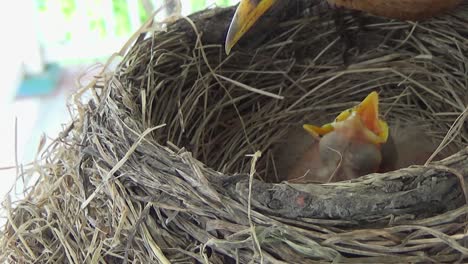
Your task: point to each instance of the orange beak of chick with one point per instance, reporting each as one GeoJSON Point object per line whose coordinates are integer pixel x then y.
{"type": "Point", "coordinates": [374, 129]}
{"type": "Point", "coordinates": [247, 14]}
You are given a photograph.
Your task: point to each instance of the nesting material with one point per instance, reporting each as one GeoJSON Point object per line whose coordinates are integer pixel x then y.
{"type": "Point", "coordinates": [158, 167]}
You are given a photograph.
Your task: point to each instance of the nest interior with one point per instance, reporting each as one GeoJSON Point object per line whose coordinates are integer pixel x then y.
{"type": "Point", "coordinates": [158, 166]}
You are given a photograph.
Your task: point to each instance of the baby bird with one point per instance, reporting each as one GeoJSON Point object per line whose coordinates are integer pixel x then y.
{"type": "Point", "coordinates": [349, 147]}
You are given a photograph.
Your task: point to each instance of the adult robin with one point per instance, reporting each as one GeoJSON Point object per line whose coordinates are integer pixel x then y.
{"type": "Point", "coordinates": [249, 11]}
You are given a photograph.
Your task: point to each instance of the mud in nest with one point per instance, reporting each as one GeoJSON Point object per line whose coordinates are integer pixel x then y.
{"type": "Point", "coordinates": [158, 166]}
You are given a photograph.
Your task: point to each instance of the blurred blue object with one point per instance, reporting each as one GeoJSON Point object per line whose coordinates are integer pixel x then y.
{"type": "Point", "coordinates": [40, 85]}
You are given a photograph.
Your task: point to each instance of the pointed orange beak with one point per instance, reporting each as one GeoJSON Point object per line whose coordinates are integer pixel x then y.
{"type": "Point", "coordinates": [367, 111]}
{"type": "Point", "coordinates": [248, 12]}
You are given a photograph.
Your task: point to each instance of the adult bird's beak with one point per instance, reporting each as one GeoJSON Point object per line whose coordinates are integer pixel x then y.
{"type": "Point", "coordinates": [376, 130]}
{"type": "Point", "coordinates": [247, 13]}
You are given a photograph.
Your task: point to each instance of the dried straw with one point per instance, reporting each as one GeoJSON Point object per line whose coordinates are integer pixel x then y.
{"type": "Point", "coordinates": [142, 174]}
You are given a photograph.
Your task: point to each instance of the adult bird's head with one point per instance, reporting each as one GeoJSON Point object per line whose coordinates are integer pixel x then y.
{"type": "Point", "coordinates": [247, 14]}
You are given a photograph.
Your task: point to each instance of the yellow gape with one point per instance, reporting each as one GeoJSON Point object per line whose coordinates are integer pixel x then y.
{"type": "Point", "coordinates": [374, 128]}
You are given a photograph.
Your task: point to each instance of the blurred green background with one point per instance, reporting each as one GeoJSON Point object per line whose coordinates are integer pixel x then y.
{"type": "Point", "coordinates": [66, 27]}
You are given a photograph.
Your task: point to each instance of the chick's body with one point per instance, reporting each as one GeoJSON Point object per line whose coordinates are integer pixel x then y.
{"type": "Point", "coordinates": [339, 156]}
{"type": "Point", "coordinates": [342, 154]}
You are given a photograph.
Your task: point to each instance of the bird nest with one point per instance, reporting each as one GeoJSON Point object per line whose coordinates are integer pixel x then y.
{"type": "Point", "coordinates": [163, 163]}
